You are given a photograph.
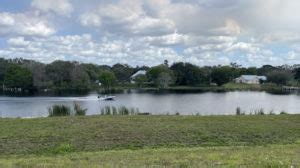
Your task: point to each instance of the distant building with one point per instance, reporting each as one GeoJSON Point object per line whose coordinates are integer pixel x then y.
{"type": "Point", "coordinates": [140, 72]}
{"type": "Point", "coordinates": [250, 79]}
{"type": "Point", "coordinates": [98, 82]}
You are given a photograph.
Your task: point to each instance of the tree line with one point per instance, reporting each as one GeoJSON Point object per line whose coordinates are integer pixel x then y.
{"type": "Point", "coordinates": [29, 74]}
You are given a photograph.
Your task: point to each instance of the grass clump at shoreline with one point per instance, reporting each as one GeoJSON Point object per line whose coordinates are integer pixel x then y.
{"type": "Point", "coordinates": [79, 111]}
{"type": "Point", "coordinates": [122, 110]}
{"type": "Point", "coordinates": [259, 111]}
{"type": "Point", "coordinates": [63, 110]}
{"type": "Point", "coordinates": [59, 110]}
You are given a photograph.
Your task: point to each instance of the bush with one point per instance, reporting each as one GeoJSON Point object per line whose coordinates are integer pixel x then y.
{"type": "Point", "coordinates": [283, 113]}
{"type": "Point", "coordinates": [59, 110]}
{"type": "Point", "coordinates": [279, 77]}
{"type": "Point", "coordinates": [260, 112]}
{"type": "Point", "coordinates": [79, 111]}
{"type": "Point", "coordinates": [238, 111]}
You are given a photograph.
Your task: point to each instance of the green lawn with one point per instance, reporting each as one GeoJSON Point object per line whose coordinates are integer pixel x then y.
{"type": "Point", "coordinates": [241, 86]}
{"type": "Point", "coordinates": [150, 140]}
{"type": "Point", "coordinates": [266, 156]}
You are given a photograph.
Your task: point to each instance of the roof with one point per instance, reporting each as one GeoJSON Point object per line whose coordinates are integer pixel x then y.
{"type": "Point", "coordinates": [140, 72]}
{"type": "Point", "coordinates": [252, 77]}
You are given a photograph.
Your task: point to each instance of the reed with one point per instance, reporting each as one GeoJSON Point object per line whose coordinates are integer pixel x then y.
{"type": "Point", "coordinates": [122, 110]}
{"type": "Point", "coordinates": [59, 110]}
{"type": "Point", "coordinates": [79, 111]}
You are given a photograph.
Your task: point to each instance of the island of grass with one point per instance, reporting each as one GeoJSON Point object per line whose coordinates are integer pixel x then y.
{"type": "Point", "coordinates": [139, 141]}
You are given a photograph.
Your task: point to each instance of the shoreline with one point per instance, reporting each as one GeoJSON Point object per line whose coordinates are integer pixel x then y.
{"type": "Point", "coordinates": [180, 89]}
{"type": "Point", "coordinates": [158, 115]}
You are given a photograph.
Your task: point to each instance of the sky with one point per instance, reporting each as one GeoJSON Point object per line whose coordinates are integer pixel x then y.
{"type": "Point", "coordinates": [147, 32]}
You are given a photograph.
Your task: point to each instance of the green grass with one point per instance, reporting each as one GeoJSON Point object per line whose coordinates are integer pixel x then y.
{"type": "Point", "coordinates": [95, 133]}
{"type": "Point", "coordinates": [258, 156]}
{"type": "Point", "coordinates": [241, 86]}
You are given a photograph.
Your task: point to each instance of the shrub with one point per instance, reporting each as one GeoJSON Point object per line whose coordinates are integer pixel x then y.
{"type": "Point", "coordinates": [272, 113]}
{"type": "Point", "coordinates": [59, 110]}
{"type": "Point", "coordinates": [79, 111]}
{"type": "Point", "coordinates": [260, 112]}
{"type": "Point", "coordinates": [283, 113]}
{"type": "Point", "coordinates": [238, 111]}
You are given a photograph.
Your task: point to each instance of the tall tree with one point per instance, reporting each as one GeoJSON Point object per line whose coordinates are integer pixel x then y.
{"type": "Point", "coordinates": [140, 79]}
{"type": "Point", "coordinates": [155, 74]}
{"type": "Point", "coordinates": [122, 72]}
{"type": "Point", "coordinates": [188, 74]}
{"type": "Point", "coordinates": [38, 73]}
{"type": "Point", "coordinates": [297, 74]}
{"type": "Point", "coordinates": [18, 77]}
{"type": "Point", "coordinates": [92, 70]}
{"type": "Point", "coordinates": [223, 74]}
{"type": "Point", "coordinates": [4, 64]}
{"type": "Point", "coordinates": [108, 79]}
{"type": "Point", "coordinates": [164, 79]}
{"type": "Point", "coordinates": [59, 72]}
{"type": "Point", "coordinates": [279, 77]}
{"type": "Point", "coordinates": [80, 78]}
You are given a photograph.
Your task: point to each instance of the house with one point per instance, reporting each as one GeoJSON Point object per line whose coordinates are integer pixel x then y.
{"type": "Point", "coordinates": [140, 72]}
{"type": "Point", "coordinates": [250, 79]}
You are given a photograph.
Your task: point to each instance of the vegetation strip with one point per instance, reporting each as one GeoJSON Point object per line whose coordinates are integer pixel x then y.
{"type": "Point", "coordinates": [56, 135]}
{"type": "Point", "coordinates": [21, 76]}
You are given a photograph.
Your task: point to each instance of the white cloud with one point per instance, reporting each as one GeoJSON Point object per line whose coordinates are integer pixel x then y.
{"type": "Point", "coordinates": [90, 19]}
{"type": "Point", "coordinates": [83, 48]}
{"type": "Point", "coordinates": [61, 7]}
{"type": "Point", "coordinates": [166, 40]}
{"type": "Point", "coordinates": [149, 31]}
{"type": "Point", "coordinates": [127, 17]}
{"type": "Point", "coordinates": [29, 24]}
{"type": "Point", "coordinates": [6, 19]}
{"type": "Point", "coordinates": [17, 41]}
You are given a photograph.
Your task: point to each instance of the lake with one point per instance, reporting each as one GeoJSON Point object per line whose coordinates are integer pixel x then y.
{"type": "Point", "coordinates": [209, 103]}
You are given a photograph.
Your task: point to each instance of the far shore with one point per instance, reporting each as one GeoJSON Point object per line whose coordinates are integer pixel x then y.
{"type": "Point", "coordinates": [179, 89]}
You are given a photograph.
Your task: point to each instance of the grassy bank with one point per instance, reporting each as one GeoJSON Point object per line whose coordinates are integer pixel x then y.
{"type": "Point", "coordinates": [259, 156]}
{"type": "Point", "coordinates": [226, 87]}
{"type": "Point", "coordinates": [96, 133]}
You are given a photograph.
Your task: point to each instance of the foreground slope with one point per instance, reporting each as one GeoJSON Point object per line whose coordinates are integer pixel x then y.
{"type": "Point", "coordinates": [136, 141]}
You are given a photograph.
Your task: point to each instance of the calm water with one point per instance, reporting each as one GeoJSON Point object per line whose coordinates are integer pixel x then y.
{"type": "Point", "coordinates": [202, 103]}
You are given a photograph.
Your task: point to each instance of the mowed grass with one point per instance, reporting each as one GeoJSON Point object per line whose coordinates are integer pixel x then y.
{"type": "Point", "coordinates": [47, 136]}
{"type": "Point", "coordinates": [257, 156]}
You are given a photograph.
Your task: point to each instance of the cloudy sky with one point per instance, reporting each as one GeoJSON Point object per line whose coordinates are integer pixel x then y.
{"type": "Point", "coordinates": [146, 32]}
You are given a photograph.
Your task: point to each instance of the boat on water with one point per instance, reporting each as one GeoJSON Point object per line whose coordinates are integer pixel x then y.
{"type": "Point", "coordinates": [106, 98]}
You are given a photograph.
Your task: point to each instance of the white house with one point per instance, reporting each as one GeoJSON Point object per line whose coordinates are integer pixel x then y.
{"type": "Point", "coordinates": [140, 72]}
{"type": "Point", "coordinates": [250, 79]}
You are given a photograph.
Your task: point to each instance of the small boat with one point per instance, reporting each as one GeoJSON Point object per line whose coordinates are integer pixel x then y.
{"type": "Point", "coordinates": [107, 98]}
